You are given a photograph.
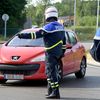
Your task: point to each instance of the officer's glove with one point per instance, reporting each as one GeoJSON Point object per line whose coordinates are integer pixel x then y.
{"type": "Point", "coordinates": [24, 35]}
{"type": "Point", "coordinates": [20, 35]}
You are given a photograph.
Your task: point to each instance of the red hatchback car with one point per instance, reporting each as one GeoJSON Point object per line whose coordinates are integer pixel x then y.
{"type": "Point", "coordinates": [24, 59]}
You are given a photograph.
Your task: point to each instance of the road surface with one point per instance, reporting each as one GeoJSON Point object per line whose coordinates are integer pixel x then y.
{"type": "Point", "coordinates": [87, 45]}
{"type": "Point", "coordinates": [70, 89]}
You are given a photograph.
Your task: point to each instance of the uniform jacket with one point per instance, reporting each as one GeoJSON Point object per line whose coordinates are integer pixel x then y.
{"type": "Point", "coordinates": [54, 37]}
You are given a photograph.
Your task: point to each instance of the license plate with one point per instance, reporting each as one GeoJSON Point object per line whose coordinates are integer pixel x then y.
{"type": "Point", "coordinates": [13, 76]}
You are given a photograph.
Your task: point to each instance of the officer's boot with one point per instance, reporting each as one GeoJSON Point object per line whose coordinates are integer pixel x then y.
{"type": "Point", "coordinates": [55, 94]}
{"type": "Point", "coordinates": [49, 90]}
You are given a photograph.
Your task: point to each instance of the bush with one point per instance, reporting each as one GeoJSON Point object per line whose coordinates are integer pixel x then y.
{"type": "Point", "coordinates": [87, 21]}
{"type": "Point", "coordinates": [85, 33]}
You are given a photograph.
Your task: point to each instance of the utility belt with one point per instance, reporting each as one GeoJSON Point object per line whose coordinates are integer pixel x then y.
{"type": "Point", "coordinates": [53, 46]}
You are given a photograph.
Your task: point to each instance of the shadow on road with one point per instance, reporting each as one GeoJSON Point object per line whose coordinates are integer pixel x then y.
{"type": "Point", "coordinates": [29, 83]}
{"type": "Point", "coordinates": [68, 82]}
{"type": "Point", "coordinates": [87, 82]}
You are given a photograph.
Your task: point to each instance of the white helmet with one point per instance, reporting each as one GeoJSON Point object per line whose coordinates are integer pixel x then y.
{"type": "Point", "coordinates": [51, 12]}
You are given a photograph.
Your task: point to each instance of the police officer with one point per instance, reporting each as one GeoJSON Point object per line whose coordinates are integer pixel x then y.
{"type": "Point", "coordinates": [54, 39]}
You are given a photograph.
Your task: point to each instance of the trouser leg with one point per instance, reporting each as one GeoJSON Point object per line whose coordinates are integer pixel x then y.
{"type": "Point", "coordinates": [49, 87]}
{"type": "Point", "coordinates": [51, 70]}
{"type": "Point", "coordinates": [52, 76]}
{"type": "Point", "coordinates": [55, 91]}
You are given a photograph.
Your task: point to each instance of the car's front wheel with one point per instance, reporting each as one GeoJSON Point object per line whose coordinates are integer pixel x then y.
{"type": "Point", "coordinates": [82, 71]}
{"type": "Point", "coordinates": [3, 81]}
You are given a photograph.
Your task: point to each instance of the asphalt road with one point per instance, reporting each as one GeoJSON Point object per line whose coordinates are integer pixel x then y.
{"type": "Point", "coordinates": [70, 89]}
{"type": "Point", "coordinates": [87, 45]}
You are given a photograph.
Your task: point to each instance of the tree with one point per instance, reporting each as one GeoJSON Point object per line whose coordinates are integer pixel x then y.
{"type": "Point", "coordinates": [86, 8]}
{"type": "Point", "coordinates": [15, 9]}
{"type": "Point", "coordinates": [86, 12]}
{"type": "Point", "coordinates": [36, 12]}
{"type": "Point", "coordinates": [65, 8]}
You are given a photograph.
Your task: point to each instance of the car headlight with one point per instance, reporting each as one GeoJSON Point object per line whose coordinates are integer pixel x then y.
{"type": "Point", "coordinates": [39, 58]}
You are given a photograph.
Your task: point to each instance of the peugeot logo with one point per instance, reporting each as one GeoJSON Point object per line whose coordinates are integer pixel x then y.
{"type": "Point", "coordinates": [14, 58]}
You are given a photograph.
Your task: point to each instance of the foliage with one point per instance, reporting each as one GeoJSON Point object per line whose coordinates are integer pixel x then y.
{"type": "Point", "coordinates": [65, 8]}
{"type": "Point", "coordinates": [37, 12]}
{"type": "Point", "coordinates": [87, 8]}
{"type": "Point", "coordinates": [87, 21]}
{"type": "Point", "coordinates": [84, 33]}
{"type": "Point", "coordinates": [15, 9]}
{"type": "Point", "coordinates": [85, 11]}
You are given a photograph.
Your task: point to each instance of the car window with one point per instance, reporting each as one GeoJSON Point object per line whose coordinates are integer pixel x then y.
{"type": "Point", "coordinates": [25, 42]}
{"type": "Point", "coordinates": [67, 39]}
{"type": "Point", "coordinates": [72, 38]}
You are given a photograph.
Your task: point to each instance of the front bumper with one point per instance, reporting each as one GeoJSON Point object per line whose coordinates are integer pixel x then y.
{"type": "Point", "coordinates": [29, 71]}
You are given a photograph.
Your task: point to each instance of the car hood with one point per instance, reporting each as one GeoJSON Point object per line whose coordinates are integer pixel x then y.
{"type": "Point", "coordinates": [23, 54]}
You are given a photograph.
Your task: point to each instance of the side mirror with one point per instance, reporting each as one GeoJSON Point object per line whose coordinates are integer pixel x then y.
{"type": "Point", "coordinates": [68, 46]}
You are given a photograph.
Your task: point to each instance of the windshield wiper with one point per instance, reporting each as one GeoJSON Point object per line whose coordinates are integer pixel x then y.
{"type": "Point", "coordinates": [25, 45]}
{"type": "Point", "coordinates": [29, 45]}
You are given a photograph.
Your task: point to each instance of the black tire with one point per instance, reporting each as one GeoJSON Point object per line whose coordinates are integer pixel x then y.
{"type": "Point", "coordinates": [3, 81]}
{"type": "Point", "coordinates": [81, 73]}
{"type": "Point", "coordinates": [59, 72]}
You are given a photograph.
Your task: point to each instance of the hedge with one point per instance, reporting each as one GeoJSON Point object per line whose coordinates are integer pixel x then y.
{"type": "Point", "coordinates": [85, 33]}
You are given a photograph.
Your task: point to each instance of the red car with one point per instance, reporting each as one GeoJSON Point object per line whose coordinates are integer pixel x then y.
{"type": "Point", "coordinates": [24, 59]}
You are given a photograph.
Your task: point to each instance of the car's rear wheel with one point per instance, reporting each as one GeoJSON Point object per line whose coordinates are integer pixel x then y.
{"type": "Point", "coordinates": [3, 81]}
{"type": "Point", "coordinates": [59, 72]}
{"type": "Point", "coordinates": [81, 73]}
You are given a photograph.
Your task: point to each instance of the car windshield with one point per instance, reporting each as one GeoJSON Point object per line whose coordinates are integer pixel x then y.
{"type": "Point", "coordinates": [17, 42]}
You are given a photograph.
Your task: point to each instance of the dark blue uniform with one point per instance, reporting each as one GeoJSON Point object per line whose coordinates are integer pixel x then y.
{"type": "Point", "coordinates": [54, 37]}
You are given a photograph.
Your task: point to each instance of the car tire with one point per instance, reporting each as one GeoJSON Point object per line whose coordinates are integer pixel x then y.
{"type": "Point", "coordinates": [59, 72]}
{"type": "Point", "coordinates": [81, 73]}
{"type": "Point", "coordinates": [3, 81]}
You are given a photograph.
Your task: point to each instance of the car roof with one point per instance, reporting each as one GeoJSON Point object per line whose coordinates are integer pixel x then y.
{"type": "Point", "coordinates": [30, 30]}
{"type": "Point", "coordinates": [36, 29]}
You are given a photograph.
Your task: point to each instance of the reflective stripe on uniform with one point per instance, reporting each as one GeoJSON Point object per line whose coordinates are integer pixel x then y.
{"type": "Point", "coordinates": [49, 81]}
{"type": "Point", "coordinates": [63, 46]}
{"type": "Point", "coordinates": [33, 36]}
{"type": "Point", "coordinates": [54, 85]}
{"type": "Point", "coordinates": [49, 48]}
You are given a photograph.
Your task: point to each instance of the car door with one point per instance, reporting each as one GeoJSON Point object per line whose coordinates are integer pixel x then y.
{"type": "Point", "coordinates": [75, 50]}
{"type": "Point", "coordinates": [67, 60]}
